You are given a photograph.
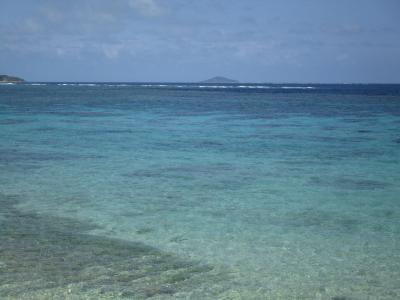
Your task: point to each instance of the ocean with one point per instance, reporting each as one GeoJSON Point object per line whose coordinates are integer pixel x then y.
{"type": "Point", "coordinates": [199, 191]}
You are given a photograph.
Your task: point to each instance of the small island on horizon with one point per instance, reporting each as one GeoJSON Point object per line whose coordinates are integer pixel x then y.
{"type": "Point", "coordinates": [219, 79]}
{"type": "Point", "coordinates": [10, 79]}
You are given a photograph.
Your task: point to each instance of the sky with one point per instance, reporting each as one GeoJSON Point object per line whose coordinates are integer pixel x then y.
{"type": "Point", "coordinates": [319, 41]}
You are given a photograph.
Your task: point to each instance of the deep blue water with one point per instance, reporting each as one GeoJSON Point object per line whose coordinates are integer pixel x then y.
{"type": "Point", "coordinates": [195, 191]}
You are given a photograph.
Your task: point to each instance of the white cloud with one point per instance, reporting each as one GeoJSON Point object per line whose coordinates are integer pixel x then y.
{"type": "Point", "coordinates": [146, 7]}
{"type": "Point", "coordinates": [31, 25]}
{"type": "Point", "coordinates": [112, 51]}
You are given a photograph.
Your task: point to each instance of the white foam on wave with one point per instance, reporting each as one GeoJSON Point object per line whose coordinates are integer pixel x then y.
{"type": "Point", "coordinates": [242, 86]}
{"type": "Point", "coordinates": [78, 84]}
{"type": "Point", "coordinates": [214, 86]}
{"type": "Point", "coordinates": [196, 86]}
{"type": "Point", "coordinates": [254, 86]}
{"type": "Point", "coordinates": [208, 86]}
{"type": "Point", "coordinates": [298, 87]}
{"type": "Point", "coordinates": [154, 85]}
{"type": "Point", "coordinates": [234, 86]}
{"type": "Point", "coordinates": [87, 84]}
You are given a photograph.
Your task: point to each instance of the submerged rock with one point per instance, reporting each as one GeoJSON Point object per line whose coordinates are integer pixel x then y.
{"type": "Point", "coordinates": [47, 257]}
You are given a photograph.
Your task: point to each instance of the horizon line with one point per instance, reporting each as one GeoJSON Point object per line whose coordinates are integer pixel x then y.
{"type": "Point", "coordinates": [197, 82]}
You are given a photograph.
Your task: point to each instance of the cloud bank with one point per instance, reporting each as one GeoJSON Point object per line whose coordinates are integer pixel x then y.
{"type": "Point", "coordinates": [176, 40]}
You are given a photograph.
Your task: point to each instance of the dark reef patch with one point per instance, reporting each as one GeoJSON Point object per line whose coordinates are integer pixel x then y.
{"type": "Point", "coordinates": [84, 113]}
{"type": "Point", "coordinates": [106, 131]}
{"type": "Point", "coordinates": [364, 131]}
{"type": "Point", "coordinates": [335, 153]}
{"type": "Point", "coordinates": [341, 140]}
{"type": "Point", "coordinates": [203, 168]}
{"type": "Point", "coordinates": [355, 119]}
{"type": "Point", "coordinates": [15, 156]}
{"type": "Point", "coordinates": [330, 128]}
{"type": "Point", "coordinates": [14, 121]}
{"type": "Point", "coordinates": [207, 144]}
{"type": "Point", "coordinates": [144, 174]}
{"type": "Point", "coordinates": [185, 170]}
{"type": "Point", "coordinates": [359, 184]}
{"type": "Point", "coordinates": [44, 129]}
{"type": "Point", "coordinates": [345, 183]}
{"type": "Point", "coordinates": [43, 254]}
{"type": "Point", "coordinates": [318, 219]}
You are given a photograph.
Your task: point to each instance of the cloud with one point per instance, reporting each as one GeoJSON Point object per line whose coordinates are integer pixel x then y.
{"type": "Point", "coordinates": [146, 7]}
{"type": "Point", "coordinates": [112, 51]}
{"type": "Point", "coordinates": [202, 34]}
{"type": "Point", "coordinates": [347, 29]}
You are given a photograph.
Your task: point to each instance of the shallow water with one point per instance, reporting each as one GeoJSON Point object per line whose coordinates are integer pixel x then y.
{"type": "Point", "coordinates": [186, 192]}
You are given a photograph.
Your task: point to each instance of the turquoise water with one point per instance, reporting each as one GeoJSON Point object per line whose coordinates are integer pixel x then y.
{"type": "Point", "coordinates": [182, 191]}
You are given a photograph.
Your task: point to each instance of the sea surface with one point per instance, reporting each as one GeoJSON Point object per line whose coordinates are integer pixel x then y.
{"type": "Point", "coordinates": [196, 191]}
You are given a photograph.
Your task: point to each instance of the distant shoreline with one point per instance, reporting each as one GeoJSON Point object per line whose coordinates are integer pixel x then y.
{"type": "Point", "coordinates": [10, 79]}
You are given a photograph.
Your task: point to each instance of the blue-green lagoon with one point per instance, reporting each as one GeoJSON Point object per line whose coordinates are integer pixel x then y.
{"type": "Point", "coordinates": [186, 191]}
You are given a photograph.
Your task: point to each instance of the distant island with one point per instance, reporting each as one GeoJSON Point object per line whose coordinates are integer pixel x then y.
{"type": "Point", "coordinates": [219, 79]}
{"type": "Point", "coordinates": [10, 79]}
